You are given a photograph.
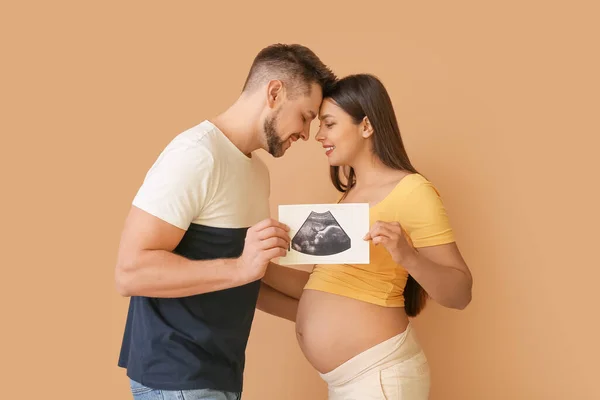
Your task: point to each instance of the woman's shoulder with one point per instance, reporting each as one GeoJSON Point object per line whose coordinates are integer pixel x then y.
{"type": "Point", "coordinates": [421, 212]}
{"type": "Point", "coordinates": [414, 185]}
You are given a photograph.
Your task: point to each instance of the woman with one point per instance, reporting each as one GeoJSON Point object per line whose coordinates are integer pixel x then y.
{"type": "Point", "coordinates": [353, 320]}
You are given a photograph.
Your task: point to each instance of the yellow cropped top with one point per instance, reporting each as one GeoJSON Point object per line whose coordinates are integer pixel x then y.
{"type": "Point", "coordinates": [417, 206]}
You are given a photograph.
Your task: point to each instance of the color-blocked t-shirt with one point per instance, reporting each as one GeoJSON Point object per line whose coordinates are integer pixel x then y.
{"type": "Point", "coordinates": [202, 183]}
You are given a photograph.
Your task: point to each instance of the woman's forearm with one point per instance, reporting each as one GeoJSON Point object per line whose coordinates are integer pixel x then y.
{"type": "Point", "coordinates": [448, 286]}
{"type": "Point", "coordinates": [288, 281]}
{"type": "Point", "coordinates": [276, 303]}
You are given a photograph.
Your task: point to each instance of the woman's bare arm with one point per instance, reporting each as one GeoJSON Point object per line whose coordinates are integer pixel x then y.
{"type": "Point", "coordinates": [443, 273]}
{"type": "Point", "coordinates": [276, 303]}
{"type": "Point", "coordinates": [287, 280]}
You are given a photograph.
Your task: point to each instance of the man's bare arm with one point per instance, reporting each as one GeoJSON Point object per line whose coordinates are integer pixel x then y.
{"type": "Point", "coordinates": [147, 266]}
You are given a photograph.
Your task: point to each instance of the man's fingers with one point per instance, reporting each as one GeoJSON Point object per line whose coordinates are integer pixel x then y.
{"type": "Point", "coordinates": [274, 253]}
{"type": "Point", "coordinates": [273, 231]}
{"type": "Point", "coordinates": [274, 242]}
{"type": "Point", "coordinates": [269, 222]}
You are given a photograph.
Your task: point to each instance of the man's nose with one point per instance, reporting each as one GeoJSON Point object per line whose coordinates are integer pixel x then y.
{"type": "Point", "coordinates": [305, 134]}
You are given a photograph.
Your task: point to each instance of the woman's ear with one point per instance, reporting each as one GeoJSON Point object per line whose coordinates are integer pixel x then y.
{"type": "Point", "coordinates": [366, 128]}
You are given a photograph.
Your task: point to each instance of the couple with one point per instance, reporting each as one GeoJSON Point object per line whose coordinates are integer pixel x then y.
{"type": "Point", "coordinates": [196, 249]}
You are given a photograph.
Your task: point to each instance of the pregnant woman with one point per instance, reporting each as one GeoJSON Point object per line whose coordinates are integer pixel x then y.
{"type": "Point", "coordinates": [352, 321]}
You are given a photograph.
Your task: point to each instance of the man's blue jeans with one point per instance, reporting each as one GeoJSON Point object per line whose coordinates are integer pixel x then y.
{"type": "Point", "coordinates": [141, 392]}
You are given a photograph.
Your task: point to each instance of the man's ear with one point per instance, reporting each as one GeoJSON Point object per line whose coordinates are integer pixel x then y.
{"type": "Point", "coordinates": [366, 128]}
{"type": "Point", "coordinates": [274, 92]}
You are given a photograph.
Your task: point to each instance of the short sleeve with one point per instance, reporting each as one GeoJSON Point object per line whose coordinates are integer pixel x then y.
{"type": "Point", "coordinates": [176, 187]}
{"type": "Point", "coordinates": [424, 218]}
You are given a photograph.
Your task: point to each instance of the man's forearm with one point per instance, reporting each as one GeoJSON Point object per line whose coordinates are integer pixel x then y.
{"type": "Point", "coordinates": [276, 303]}
{"type": "Point", "coordinates": [160, 273]}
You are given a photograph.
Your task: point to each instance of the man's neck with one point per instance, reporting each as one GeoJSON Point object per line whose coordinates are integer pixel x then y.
{"type": "Point", "coordinates": [240, 124]}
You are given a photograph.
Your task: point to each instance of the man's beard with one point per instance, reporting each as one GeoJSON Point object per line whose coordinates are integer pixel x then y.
{"type": "Point", "coordinates": [274, 142]}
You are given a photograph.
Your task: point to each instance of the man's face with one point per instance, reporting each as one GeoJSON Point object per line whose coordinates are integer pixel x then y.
{"type": "Point", "coordinates": [291, 120]}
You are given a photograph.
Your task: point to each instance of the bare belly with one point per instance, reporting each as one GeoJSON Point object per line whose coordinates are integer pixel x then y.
{"type": "Point", "coordinates": [332, 329]}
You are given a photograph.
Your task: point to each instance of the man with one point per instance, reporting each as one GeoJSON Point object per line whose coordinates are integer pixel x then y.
{"type": "Point", "coordinates": [197, 240]}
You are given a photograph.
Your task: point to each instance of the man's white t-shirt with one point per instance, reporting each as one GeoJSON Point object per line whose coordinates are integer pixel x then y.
{"type": "Point", "coordinates": [202, 178]}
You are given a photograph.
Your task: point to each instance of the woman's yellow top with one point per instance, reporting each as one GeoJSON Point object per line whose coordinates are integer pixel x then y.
{"type": "Point", "coordinates": [417, 206]}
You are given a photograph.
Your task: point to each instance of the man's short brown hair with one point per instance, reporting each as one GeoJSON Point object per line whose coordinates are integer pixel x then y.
{"type": "Point", "coordinates": [295, 65]}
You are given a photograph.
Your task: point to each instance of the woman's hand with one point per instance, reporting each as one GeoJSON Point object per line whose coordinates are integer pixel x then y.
{"type": "Point", "coordinates": [439, 269]}
{"type": "Point", "coordinates": [394, 239]}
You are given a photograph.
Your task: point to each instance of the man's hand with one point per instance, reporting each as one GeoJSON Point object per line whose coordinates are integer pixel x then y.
{"type": "Point", "coordinates": [265, 241]}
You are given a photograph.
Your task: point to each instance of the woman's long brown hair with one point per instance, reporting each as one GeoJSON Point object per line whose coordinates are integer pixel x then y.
{"type": "Point", "coordinates": [363, 95]}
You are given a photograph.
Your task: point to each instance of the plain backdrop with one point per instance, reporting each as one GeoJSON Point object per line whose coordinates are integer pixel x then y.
{"type": "Point", "coordinates": [498, 105]}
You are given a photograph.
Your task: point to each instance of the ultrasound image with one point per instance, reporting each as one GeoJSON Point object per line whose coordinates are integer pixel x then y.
{"type": "Point", "coordinates": [321, 235]}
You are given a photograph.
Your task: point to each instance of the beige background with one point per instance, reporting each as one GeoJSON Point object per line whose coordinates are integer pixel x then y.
{"type": "Point", "coordinates": [498, 105]}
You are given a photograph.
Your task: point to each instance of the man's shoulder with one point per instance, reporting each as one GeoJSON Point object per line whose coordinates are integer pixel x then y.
{"type": "Point", "coordinates": [200, 136]}
{"type": "Point", "coordinates": [195, 146]}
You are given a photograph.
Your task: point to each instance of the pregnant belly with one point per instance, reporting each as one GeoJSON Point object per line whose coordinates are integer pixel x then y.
{"type": "Point", "coordinates": [332, 329]}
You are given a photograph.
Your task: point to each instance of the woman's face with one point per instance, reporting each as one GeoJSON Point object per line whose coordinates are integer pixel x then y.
{"type": "Point", "coordinates": [343, 141]}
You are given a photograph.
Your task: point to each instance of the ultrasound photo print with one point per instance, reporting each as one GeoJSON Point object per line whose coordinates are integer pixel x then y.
{"type": "Point", "coordinates": [321, 235]}
{"type": "Point", "coordinates": [326, 233]}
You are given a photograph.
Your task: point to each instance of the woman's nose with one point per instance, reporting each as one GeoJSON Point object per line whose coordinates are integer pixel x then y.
{"type": "Point", "coordinates": [319, 137]}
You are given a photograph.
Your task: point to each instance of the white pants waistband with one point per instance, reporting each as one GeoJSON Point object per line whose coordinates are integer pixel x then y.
{"type": "Point", "coordinates": [401, 347]}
